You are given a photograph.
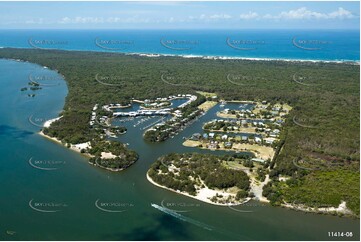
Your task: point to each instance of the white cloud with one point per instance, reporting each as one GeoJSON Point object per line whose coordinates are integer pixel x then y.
{"type": "Point", "coordinates": [296, 14]}
{"type": "Point", "coordinates": [208, 18]}
{"type": "Point", "coordinates": [203, 16]}
{"type": "Point", "coordinates": [65, 20]}
{"type": "Point", "coordinates": [341, 13]}
{"type": "Point", "coordinates": [249, 15]}
{"type": "Point", "coordinates": [301, 13]}
{"type": "Point", "coordinates": [101, 20]}
{"type": "Point", "coordinates": [82, 20]}
{"type": "Point", "coordinates": [35, 21]}
{"type": "Point", "coordinates": [220, 16]}
{"type": "Point", "coordinates": [304, 13]}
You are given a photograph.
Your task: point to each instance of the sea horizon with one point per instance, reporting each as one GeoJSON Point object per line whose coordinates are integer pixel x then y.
{"type": "Point", "coordinates": [256, 44]}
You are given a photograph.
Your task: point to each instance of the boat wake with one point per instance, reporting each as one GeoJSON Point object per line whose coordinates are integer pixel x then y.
{"type": "Point", "coordinates": [181, 217]}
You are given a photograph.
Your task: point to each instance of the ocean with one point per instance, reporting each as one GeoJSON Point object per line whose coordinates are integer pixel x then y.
{"type": "Point", "coordinates": [314, 45]}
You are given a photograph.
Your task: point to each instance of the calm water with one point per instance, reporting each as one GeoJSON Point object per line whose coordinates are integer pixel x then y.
{"type": "Point", "coordinates": [332, 45]}
{"type": "Point", "coordinates": [73, 189]}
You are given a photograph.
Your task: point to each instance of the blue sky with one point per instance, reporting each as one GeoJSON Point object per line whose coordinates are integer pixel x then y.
{"type": "Point", "coordinates": [179, 15]}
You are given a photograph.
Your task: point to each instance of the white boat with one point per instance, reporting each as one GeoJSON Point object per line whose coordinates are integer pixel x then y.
{"type": "Point", "coordinates": [223, 103]}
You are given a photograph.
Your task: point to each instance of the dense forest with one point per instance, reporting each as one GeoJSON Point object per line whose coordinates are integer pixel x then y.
{"type": "Point", "coordinates": [324, 121]}
{"type": "Point", "coordinates": [124, 157]}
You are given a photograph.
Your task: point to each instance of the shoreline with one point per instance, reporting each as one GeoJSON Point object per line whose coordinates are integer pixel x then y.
{"type": "Point", "coordinates": [340, 210]}
{"type": "Point", "coordinates": [57, 141]}
{"type": "Point", "coordinates": [77, 147]}
{"type": "Point", "coordinates": [77, 150]}
{"type": "Point", "coordinates": [105, 168]}
{"type": "Point", "coordinates": [205, 57]}
{"type": "Point", "coordinates": [195, 197]}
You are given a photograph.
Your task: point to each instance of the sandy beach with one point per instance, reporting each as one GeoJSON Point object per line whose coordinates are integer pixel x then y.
{"type": "Point", "coordinates": [50, 121]}
{"type": "Point", "coordinates": [77, 147]}
{"type": "Point", "coordinates": [341, 209]}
